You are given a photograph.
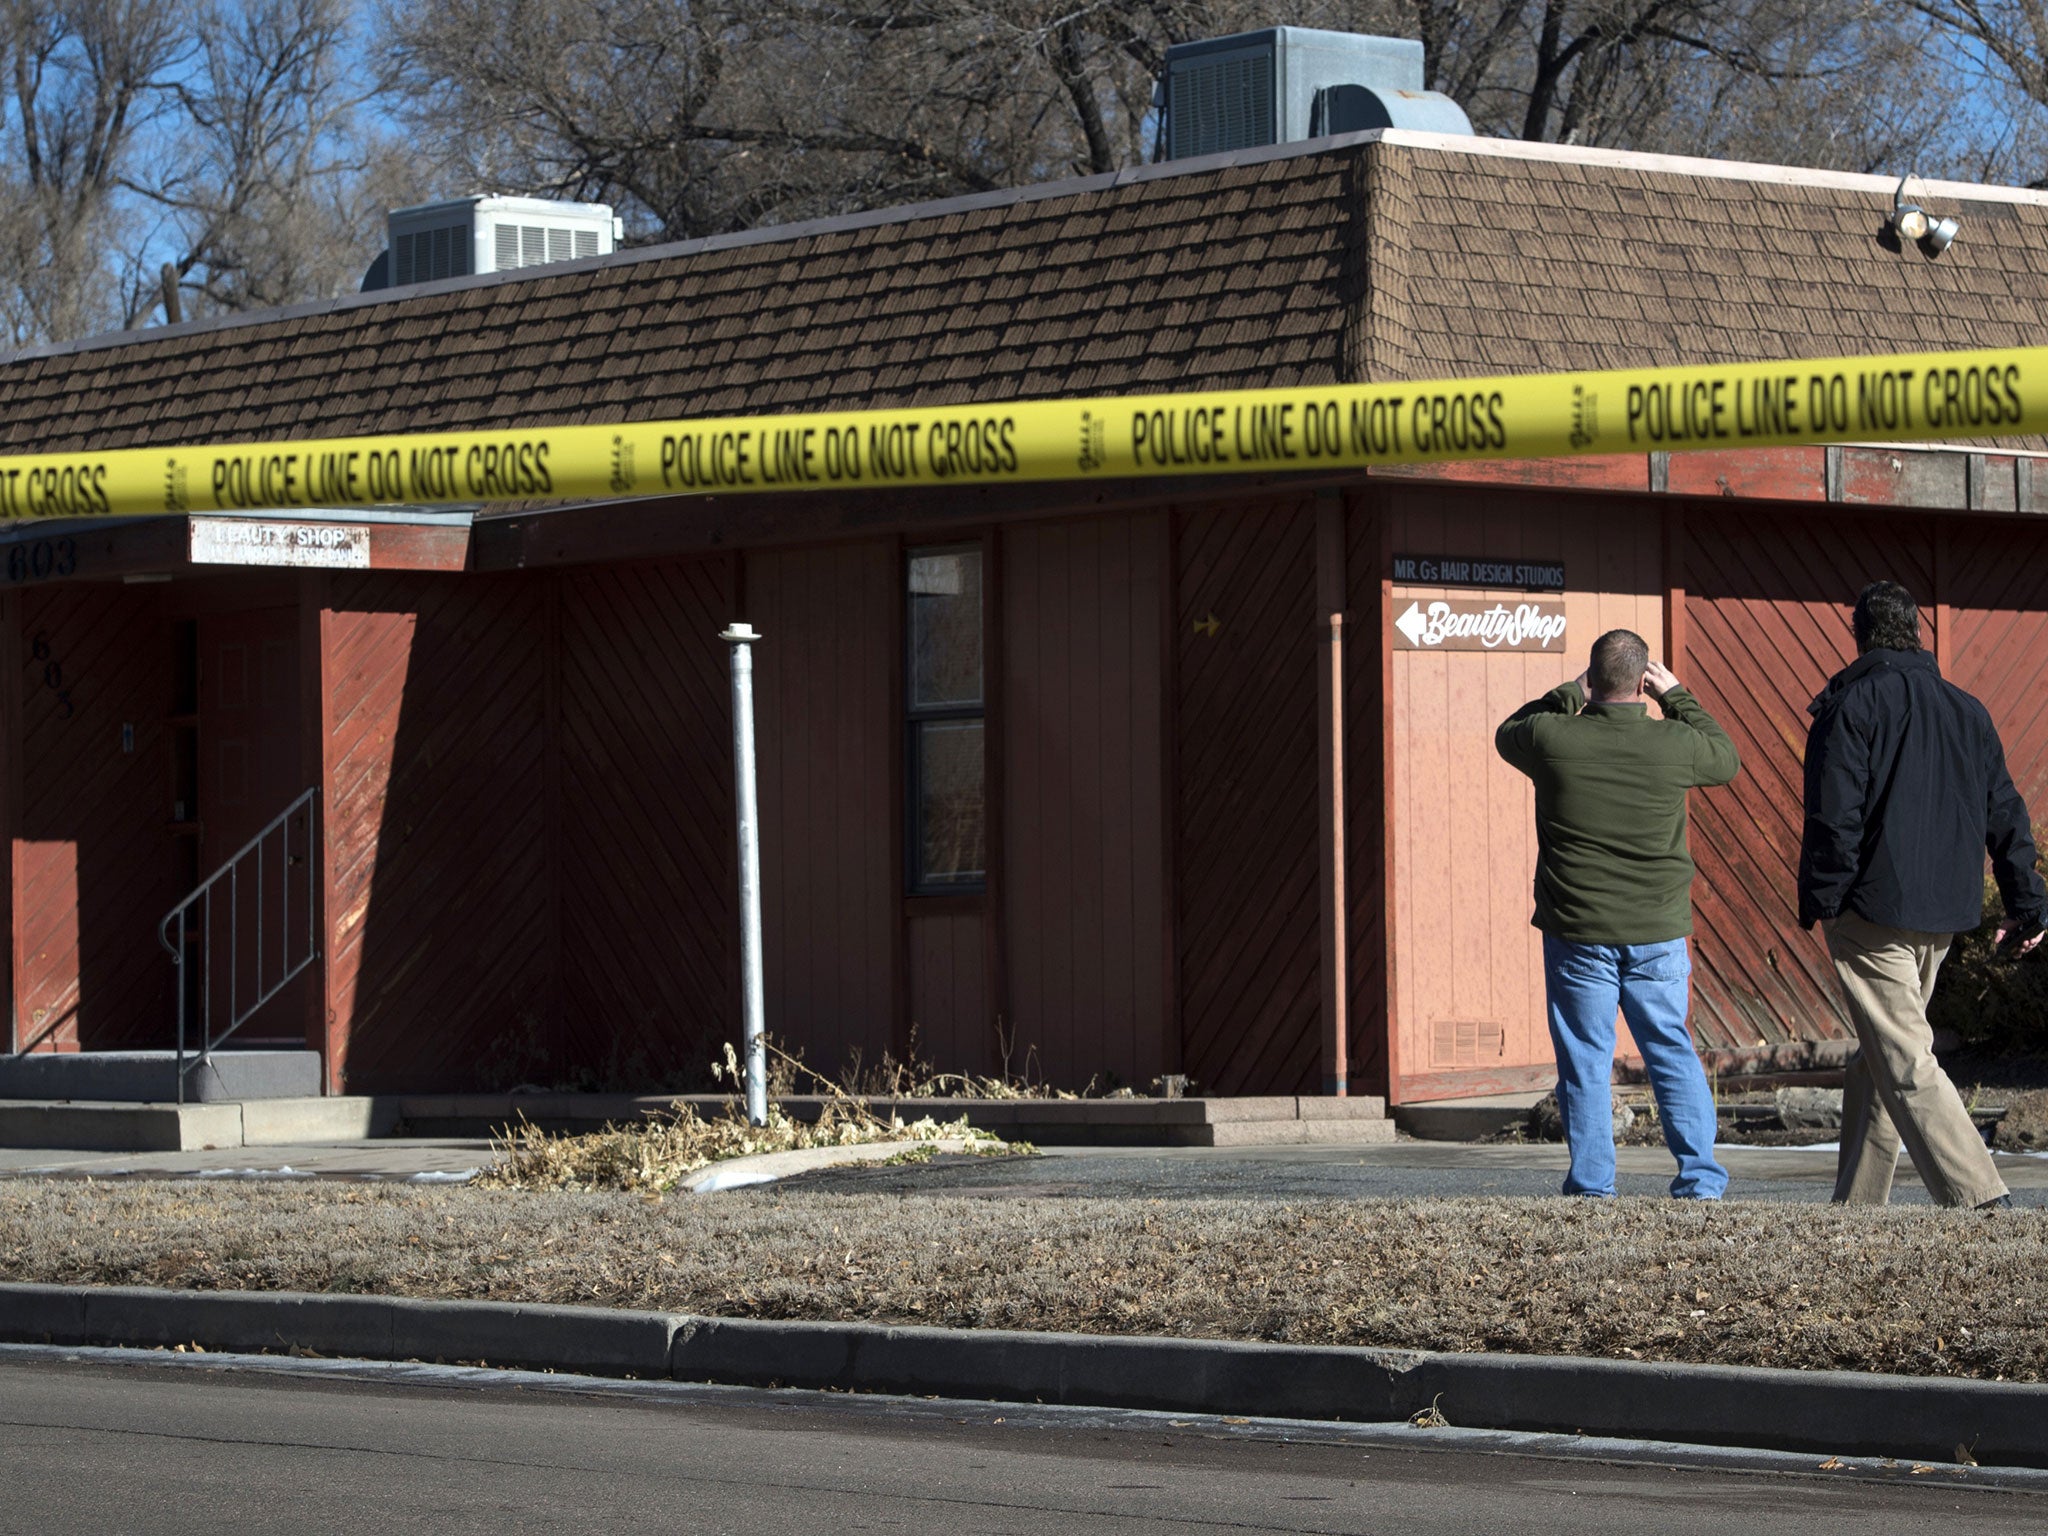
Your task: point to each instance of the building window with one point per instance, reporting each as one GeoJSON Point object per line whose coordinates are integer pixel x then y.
{"type": "Point", "coordinates": [946, 702]}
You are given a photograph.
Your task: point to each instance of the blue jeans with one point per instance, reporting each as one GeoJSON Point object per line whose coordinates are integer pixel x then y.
{"type": "Point", "coordinates": [1652, 985]}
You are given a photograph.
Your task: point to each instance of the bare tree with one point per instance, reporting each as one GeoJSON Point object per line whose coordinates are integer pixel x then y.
{"type": "Point", "coordinates": [698, 116]}
{"type": "Point", "coordinates": [83, 77]}
{"type": "Point", "coordinates": [272, 189]}
{"type": "Point", "coordinates": [249, 144]}
{"type": "Point", "coordinates": [2003, 44]}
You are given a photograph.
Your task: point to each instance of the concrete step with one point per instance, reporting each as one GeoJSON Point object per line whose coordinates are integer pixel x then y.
{"type": "Point", "coordinates": [1465, 1119]}
{"type": "Point", "coordinates": [1293, 1133]}
{"type": "Point", "coordinates": [151, 1077]}
{"type": "Point", "coordinates": [128, 1127]}
{"type": "Point", "coordinates": [1250, 1121]}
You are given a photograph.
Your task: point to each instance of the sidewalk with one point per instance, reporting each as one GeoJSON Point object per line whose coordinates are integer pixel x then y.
{"type": "Point", "coordinates": [423, 1159]}
{"type": "Point", "coordinates": [1411, 1169]}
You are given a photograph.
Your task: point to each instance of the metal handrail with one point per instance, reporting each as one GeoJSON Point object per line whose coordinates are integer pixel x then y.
{"type": "Point", "coordinates": [202, 898]}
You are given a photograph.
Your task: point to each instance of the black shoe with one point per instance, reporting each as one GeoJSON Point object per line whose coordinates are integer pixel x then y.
{"type": "Point", "coordinates": [2002, 1203]}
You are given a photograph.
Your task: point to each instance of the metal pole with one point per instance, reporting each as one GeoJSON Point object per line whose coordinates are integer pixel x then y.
{"type": "Point", "coordinates": [753, 1008]}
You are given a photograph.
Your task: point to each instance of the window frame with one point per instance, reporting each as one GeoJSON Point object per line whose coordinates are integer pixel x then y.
{"type": "Point", "coordinates": [916, 883]}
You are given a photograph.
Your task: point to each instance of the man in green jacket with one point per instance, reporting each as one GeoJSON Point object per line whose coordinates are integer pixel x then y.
{"type": "Point", "coordinates": [1614, 896]}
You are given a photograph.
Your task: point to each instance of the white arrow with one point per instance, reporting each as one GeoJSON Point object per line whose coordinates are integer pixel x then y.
{"type": "Point", "coordinates": [1412, 623]}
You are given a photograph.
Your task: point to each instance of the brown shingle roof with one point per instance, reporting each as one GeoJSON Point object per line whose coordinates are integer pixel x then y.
{"type": "Point", "coordinates": [1378, 257]}
{"type": "Point", "coordinates": [1517, 264]}
{"type": "Point", "coordinates": [1013, 298]}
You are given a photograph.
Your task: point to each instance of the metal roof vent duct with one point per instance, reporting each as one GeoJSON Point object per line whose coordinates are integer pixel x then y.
{"type": "Point", "coordinates": [1288, 83]}
{"type": "Point", "coordinates": [488, 234]}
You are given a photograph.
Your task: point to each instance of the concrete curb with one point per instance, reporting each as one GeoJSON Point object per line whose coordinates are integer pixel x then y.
{"type": "Point", "coordinates": [767, 1167]}
{"type": "Point", "coordinates": [595, 1340]}
{"type": "Point", "coordinates": [1827, 1412]}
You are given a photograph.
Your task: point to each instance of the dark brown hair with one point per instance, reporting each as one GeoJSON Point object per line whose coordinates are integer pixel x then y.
{"type": "Point", "coordinates": [1886, 618]}
{"type": "Point", "coordinates": [1619, 659]}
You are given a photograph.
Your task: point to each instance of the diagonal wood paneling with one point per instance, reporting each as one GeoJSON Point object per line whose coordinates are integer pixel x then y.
{"type": "Point", "coordinates": [1994, 578]}
{"type": "Point", "coordinates": [96, 870]}
{"type": "Point", "coordinates": [1767, 610]}
{"type": "Point", "coordinates": [1245, 821]}
{"type": "Point", "coordinates": [1365, 809]}
{"type": "Point", "coordinates": [438, 900]}
{"type": "Point", "coordinates": [645, 841]}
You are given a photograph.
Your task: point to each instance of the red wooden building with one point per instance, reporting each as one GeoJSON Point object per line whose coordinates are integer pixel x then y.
{"type": "Point", "coordinates": [1116, 780]}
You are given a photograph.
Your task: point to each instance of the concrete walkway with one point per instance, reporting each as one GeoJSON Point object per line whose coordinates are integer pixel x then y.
{"type": "Point", "coordinates": [1400, 1169]}
{"type": "Point", "coordinates": [427, 1160]}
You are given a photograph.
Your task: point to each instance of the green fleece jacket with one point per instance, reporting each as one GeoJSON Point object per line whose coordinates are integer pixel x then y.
{"type": "Point", "coordinates": [1612, 865]}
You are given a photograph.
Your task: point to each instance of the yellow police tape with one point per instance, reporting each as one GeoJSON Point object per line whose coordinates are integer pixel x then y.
{"type": "Point", "coordinates": [1924, 397]}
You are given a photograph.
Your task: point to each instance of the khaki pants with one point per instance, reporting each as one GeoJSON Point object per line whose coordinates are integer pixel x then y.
{"type": "Point", "coordinates": [1896, 1090]}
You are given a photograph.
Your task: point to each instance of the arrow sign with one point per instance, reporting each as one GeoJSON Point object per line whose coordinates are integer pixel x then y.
{"type": "Point", "coordinates": [1412, 624]}
{"type": "Point", "coordinates": [1482, 624]}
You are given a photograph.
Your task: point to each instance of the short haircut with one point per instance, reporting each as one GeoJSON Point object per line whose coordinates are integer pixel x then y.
{"type": "Point", "coordinates": [1619, 660]}
{"type": "Point", "coordinates": [1887, 618]}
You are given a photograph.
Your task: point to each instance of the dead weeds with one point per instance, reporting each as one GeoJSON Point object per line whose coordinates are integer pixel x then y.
{"type": "Point", "coordinates": [654, 1156]}
{"type": "Point", "coordinates": [1908, 1291]}
{"type": "Point", "coordinates": [657, 1155]}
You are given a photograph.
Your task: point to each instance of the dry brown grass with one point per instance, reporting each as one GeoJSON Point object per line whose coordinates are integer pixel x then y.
{"type": "Point", "coordinates": [1904, 1290]}
{"type": "Point", "coordinates": [657, 1155]}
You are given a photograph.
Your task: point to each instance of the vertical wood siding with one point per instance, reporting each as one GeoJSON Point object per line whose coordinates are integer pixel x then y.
{"type": "Point", "coordinates": [1471, 966]}
{"type": "Point", "coordinates": [824, 712]}
{"type": "Point", "coordinates": [1768, 595]}
{"type": "Point", "coordinates": [1245, 820]}
{"type": "Point", "coordinates": [1083, 899]}
{"type": "Point", "coordinates": [438, 900]}
{"type": "Point", "coordinates": [1995, 589]}
{"type": "Point", "coordinates": [950, 1003]}
{"type": "Point", "coordinates": [96, 872]}
{"type": "Point", "coordinates": [643, 836]}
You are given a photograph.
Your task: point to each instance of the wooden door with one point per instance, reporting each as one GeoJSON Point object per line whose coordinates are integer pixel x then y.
{"type": "Point", "coordinates": [1245, 850]}
{"type": "Point", "coordinates": [249, 772]}
{"type": "Point", "coordinates": [1470, 1010]}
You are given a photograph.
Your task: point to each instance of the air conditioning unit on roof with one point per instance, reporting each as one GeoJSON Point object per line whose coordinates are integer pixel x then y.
{"type": "Point", "coordinates": [1289, 83]}
{"type": "Point", "coordinates": [469, 235]}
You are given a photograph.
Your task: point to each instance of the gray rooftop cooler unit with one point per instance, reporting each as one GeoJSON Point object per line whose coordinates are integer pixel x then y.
{"type": "Point", "coordinates": [1289, 83]}
{"type": "Point", "coordinates": [468, 235]}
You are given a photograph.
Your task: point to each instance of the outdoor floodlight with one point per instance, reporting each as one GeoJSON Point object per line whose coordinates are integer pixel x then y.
{"type": "Point", "coordinates": [1916, 224]}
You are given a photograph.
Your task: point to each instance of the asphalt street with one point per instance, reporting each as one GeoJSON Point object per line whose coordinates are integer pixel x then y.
{"type": "Point", "coordinates": [106, 1448]}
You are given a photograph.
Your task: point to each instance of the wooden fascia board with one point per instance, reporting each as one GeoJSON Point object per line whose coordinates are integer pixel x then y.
{"type": "Point", "coordinates": [33, 554]}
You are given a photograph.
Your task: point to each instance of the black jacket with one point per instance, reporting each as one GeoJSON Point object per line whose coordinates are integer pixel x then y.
{"type": "Point", "coordinates": [1906, 789]}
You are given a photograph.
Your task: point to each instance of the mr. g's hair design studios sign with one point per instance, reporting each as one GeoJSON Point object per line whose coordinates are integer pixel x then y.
{"type": "Point", "coordinates": [1479, 623]}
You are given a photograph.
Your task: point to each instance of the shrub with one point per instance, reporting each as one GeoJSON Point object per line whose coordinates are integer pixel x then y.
{"type": "Point", "coordinates": [1999, 1007]}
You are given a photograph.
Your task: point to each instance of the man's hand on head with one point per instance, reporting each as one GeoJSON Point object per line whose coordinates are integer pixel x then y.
{"type": "Point", "coordinates": [1658, 679]}
{"type": "Point", "coordinates": [1584, 683]}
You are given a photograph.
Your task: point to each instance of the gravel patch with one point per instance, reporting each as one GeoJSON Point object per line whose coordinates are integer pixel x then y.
{"type": "Point", "coordinates": [1920, 1292]}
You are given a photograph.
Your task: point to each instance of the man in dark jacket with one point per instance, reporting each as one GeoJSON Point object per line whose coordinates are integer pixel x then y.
{"type": "Point", "coordinates": [1614, 897]}
{"type": "Point", "coordinates": [1906, 790]}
